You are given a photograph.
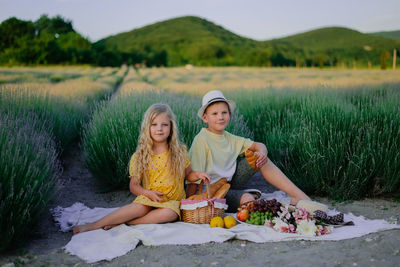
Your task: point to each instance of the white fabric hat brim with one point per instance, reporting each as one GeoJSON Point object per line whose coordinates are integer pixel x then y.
{"type": "Point", "coordinates": [230, 103]}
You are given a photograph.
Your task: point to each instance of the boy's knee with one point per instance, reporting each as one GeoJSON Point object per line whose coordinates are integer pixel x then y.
{"type": "Point", "coordinates": [246, 197]}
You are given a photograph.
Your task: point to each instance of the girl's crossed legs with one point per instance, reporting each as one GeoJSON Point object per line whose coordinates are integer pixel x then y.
{"type": "Point", "coordinates": [134, 213]}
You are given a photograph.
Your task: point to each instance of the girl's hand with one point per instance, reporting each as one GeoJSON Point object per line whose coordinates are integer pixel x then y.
{"type": "Point", "coordinates": [204, 177]}
{"type": "Point", "coordinates": [154, 196]}
{"type": "Point", "coordinates": [261, 160]}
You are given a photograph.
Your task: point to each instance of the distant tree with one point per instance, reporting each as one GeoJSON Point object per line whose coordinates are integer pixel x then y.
{"type": "Point", "coordinates": [279, 59]}
{"type": "Point", "coordinates": [56, 25]}
{"type": "Point", "coordinates": [207, 53]}
{"type": "Point", "coordinates": [259, 57]}
{"type": "Point", "coordinates": [384, 56]}
{"type": "Point", "coordinates": [76, 48]}
{"type": "Point", "coordinates": [108, 58]}
{"type": "Point", "coordinates": [156, 58]}
{"type": "Point", "coordinates": [12, 29]}
{"type": "Point", "coordinates": [45, 41]}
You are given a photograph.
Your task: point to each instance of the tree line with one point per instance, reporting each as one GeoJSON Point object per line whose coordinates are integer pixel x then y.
{"type": "Point", "coordinates": [54, 41]}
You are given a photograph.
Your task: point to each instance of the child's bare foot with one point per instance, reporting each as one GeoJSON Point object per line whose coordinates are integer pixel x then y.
{"type": "Point", "coordinates": [81, 228]}
{"type": "Point", "coordinates": [108, 227]}
{"type": "Point", "coordinates": [293, 201]}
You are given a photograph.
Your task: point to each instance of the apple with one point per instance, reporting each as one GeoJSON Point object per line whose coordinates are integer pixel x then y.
{"type": "Point", "coordinates": [242, 215]}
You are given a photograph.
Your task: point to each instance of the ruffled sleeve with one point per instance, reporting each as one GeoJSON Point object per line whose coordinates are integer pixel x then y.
{"type": "Point", "coordinates": [187, 160]}
{"type": "Point", "coordinates": [131, 166]}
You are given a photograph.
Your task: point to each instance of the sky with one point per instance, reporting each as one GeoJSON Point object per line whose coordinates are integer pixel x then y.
{"type": "Point", "coordinates": [255, 19]}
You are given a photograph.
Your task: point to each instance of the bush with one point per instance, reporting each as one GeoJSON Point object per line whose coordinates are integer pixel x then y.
{"type": "Point", "coordinates": [62, 117]}
{"type": "Point", "coordinates": [28, 169]}
{"type": "Point", "coordinates": [34, 128]}
{"type": "Point", "coordinates": [340, 144]}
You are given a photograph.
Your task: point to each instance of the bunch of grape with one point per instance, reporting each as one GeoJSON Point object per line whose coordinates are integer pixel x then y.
{"type": "Point", "coordinates": [262, 205]}
{"type": "Point", "coordinates": [273, 206]}
{"type": "Point", "coordinates": [258, 218]}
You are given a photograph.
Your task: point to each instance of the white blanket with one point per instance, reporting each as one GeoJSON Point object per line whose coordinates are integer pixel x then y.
{"type": "Point", "coordinates": [105, 245]}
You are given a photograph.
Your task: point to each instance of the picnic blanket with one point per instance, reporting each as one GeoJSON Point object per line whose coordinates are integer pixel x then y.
{"type": "Point", "coordinates": [100, 245]}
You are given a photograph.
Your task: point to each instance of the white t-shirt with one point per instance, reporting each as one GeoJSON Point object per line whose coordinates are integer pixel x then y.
{"type": "Point", "coordinates": [216, 154]}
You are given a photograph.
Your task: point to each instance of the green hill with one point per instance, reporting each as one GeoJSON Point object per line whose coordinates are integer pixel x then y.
{"type": "Point", "coordinates": [176, 31]}
{"type": "Point", "coordinates": [336, 38]}
{"type": "Point", "coordinates": [183, 40]}
{"type": "Point", "coordinates": [193, 40]}
{"type": "Point", "coordinates": [339, 46]}
{"type": "Point", "coordinates": [197, 41]}
{"type": "Point", "coordinates": [388, 34]}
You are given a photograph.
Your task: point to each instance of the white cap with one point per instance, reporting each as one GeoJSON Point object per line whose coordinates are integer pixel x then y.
{"type": "Point", "coordinates": [212, 97]}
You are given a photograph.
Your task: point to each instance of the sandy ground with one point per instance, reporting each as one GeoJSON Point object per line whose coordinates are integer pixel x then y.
{"type": "Point", "coordinates": [77, 184]}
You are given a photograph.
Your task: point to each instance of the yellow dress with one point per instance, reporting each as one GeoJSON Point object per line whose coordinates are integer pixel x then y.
{"type": "Point", "coordinates": [160, 180]}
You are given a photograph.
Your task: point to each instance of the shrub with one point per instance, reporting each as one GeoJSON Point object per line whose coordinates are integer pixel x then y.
{"type": "Point", "coordinates": [340, 144]}
{"type": "Point", "coordinates": [62, 117]}
{"type": "Point", "coordinates": [28, 169]}
{"type": "Point", "coordinates": [34, 128]}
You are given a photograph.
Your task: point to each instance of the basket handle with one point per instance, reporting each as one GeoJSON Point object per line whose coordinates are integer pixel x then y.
{"type": "Point", "coordinates": [207, 191]}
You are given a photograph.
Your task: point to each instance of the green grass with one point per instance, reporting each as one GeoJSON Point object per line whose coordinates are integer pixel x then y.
{"type": "Point", "coordinates": [343, 144]}
{"type": "Point", "coordinates": [28, 169]}
{"type": "Point", "coordinates": [35, 129]}
{"type": "Point", "coordinates": [10, 75]}
{"type": "Point", "coordinates": [63, 118]}
{"type": "Point", "coordinates": [64, 115]}
{"type": "Point", "coordinates": [111, 137]}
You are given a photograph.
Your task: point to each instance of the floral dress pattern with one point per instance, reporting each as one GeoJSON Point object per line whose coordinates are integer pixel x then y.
{"type": "Point", "coordinates": [160, 180]}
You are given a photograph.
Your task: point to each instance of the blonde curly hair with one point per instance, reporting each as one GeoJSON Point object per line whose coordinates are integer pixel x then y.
{"type": "Point", "coordinates": [177, 152]}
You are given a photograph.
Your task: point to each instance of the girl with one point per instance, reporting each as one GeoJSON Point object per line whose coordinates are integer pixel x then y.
{"type": "Point", "coordinates": [157, 170]}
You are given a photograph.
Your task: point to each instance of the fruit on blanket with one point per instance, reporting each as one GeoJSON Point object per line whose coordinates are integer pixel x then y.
{"type": "Point", "coordinates": [258, 218]}
{"type": "Point", "coordinates": [242, 215]}
{"type": "Point", "coordinates": [229, 221]}
{"type": "Point", "coordinates": [217, 222]}
{"type": "Point", "coordinates": [261, 205]}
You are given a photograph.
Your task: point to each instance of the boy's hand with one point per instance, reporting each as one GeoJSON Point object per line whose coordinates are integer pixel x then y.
{"type": "Point", "coordinates": [261, 160]}
{"type": "Point", "coordinates": [204, 176]}
{"type": "Point", "coordinates": [155, 196]}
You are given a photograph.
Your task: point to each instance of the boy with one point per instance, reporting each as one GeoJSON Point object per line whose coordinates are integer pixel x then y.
{"type": "Point", "coordinates": [215, 151]}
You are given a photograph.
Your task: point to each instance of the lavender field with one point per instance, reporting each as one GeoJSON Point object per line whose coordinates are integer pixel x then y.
{"type": "Point", "coordinates": [335, 133]}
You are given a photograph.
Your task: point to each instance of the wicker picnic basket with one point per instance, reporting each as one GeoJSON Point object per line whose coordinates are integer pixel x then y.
{"type": "Point", "coordinates": [202, 211]}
